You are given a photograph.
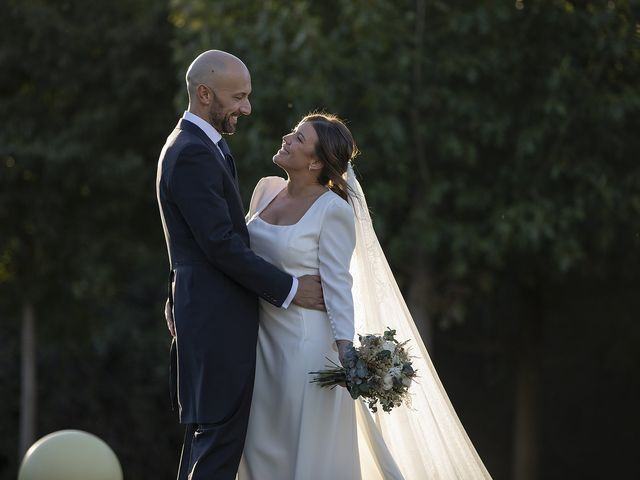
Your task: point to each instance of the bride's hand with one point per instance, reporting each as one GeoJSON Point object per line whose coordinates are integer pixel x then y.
{"type": "Point", "coordinates": [343, 349]}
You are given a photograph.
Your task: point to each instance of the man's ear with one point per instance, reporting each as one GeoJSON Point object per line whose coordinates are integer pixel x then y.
{"type": "Point", "coordinates": [205, 94]}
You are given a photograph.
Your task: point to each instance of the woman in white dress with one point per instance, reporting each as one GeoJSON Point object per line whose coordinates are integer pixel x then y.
{"type": "Point", "coordinates": [297, 430]}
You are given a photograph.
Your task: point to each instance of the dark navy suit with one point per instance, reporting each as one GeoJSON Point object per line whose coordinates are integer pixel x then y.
{"type": "Point", "coordinates": [216, 283]}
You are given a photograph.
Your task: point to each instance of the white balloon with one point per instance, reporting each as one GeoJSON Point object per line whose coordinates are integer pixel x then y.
{"type": "Point", "coordinates": [70, 455]}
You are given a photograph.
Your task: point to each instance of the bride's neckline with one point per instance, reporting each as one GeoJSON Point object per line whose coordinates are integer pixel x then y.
{"type": "Point", "coordinates": [288, 224]}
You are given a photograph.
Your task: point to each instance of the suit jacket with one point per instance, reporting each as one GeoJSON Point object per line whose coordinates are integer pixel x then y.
{"type": "Point", "coordinates": [216, 277]}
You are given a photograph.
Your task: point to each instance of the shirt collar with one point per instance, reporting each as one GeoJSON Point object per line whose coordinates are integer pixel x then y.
{"type": "Point", "coordinates": [205, 126]}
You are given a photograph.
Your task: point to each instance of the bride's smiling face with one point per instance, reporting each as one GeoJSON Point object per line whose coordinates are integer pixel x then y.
{"type": "Point", "coordinates": [298, 149]}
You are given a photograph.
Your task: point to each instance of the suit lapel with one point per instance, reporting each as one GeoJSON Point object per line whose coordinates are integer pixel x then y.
{"type": "Point", "coordinates": [187, 126]}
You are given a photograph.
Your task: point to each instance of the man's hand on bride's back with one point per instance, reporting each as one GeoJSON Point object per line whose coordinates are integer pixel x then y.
{"type": "Point", "coordinates": [309, 294]}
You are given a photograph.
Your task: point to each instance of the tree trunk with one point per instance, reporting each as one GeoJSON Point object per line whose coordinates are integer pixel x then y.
{"type": "Point", "coordinates": [28, 393]}
{"type": "Point", "coordinates": [417, 111]}
{"type": "Point", "coordinates": [419, 291]}
{"type": "Point", "coordinates": [418, 297]}
{"type": "Point", "coordinates": [525, 462]}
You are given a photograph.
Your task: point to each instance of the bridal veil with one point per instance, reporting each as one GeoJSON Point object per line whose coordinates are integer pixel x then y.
{"type": "Point", "coordinates": [425, 441]}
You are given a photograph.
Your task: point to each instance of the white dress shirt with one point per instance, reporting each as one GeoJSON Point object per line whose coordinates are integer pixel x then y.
{"type": "Point", "coordinates": [215, 137]}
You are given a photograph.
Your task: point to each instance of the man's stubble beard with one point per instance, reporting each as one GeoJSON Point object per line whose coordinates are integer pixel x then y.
{"type": "Point", "coordinates": [220, 122]}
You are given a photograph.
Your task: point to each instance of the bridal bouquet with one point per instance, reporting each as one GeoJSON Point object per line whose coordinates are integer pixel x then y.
{"type": "Point", "coordinates": [379, 370]}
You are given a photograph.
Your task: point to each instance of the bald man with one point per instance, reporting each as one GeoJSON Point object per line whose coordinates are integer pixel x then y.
{"type": "Point", "coordinates": [215, 279]}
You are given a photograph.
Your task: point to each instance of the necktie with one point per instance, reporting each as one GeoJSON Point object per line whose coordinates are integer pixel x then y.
{"type": "Point", "coordinates": [224, 148]}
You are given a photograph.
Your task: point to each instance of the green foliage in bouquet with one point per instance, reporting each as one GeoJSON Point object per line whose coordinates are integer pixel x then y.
{"type": "Point", "coordinates": [379, 370]}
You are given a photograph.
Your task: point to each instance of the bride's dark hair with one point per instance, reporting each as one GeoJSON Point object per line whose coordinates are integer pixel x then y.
{"type": "Point", "coordinates": [335, 148]}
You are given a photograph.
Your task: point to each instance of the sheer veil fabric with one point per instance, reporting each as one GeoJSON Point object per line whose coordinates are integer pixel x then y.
{"type": "Point", "coordinates": [425, 440]}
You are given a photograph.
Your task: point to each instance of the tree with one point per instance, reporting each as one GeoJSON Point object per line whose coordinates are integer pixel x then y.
{"type": "Point", "coordinates": [85, 106]}
{"type": "Point", "coordinates": [520, 193]}
{"type": "Point", "coordinates": [485, 153]}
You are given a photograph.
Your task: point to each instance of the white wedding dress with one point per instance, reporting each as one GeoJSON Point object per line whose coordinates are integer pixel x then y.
{"type": "Point", "coordinates": [297, 430]}
{"type": "Point", "coordinates": [300, 431]}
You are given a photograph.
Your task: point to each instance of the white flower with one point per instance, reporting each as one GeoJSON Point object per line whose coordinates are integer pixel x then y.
{"type": "Point", "coordinates": [395, 372]}
{"type": "Point", "coordinates": [388, 382]}
{"type": "Point", "coordinates": [406, 381]}
{"type": "Point", "coordinates": [390, 346]}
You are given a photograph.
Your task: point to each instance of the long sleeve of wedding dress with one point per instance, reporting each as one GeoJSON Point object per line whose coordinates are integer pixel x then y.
{"type": "Point", "coordinates": [335, 248]}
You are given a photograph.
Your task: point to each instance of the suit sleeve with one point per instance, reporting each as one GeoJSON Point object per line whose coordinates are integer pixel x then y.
{"type": "Point", "coordinates": [336, 245]}
{"type": "Point", "coordinates": [197, 189]}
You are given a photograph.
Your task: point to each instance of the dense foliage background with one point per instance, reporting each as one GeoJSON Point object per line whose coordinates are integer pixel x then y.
{"type": "Point", "coordinates": [499, 155]}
